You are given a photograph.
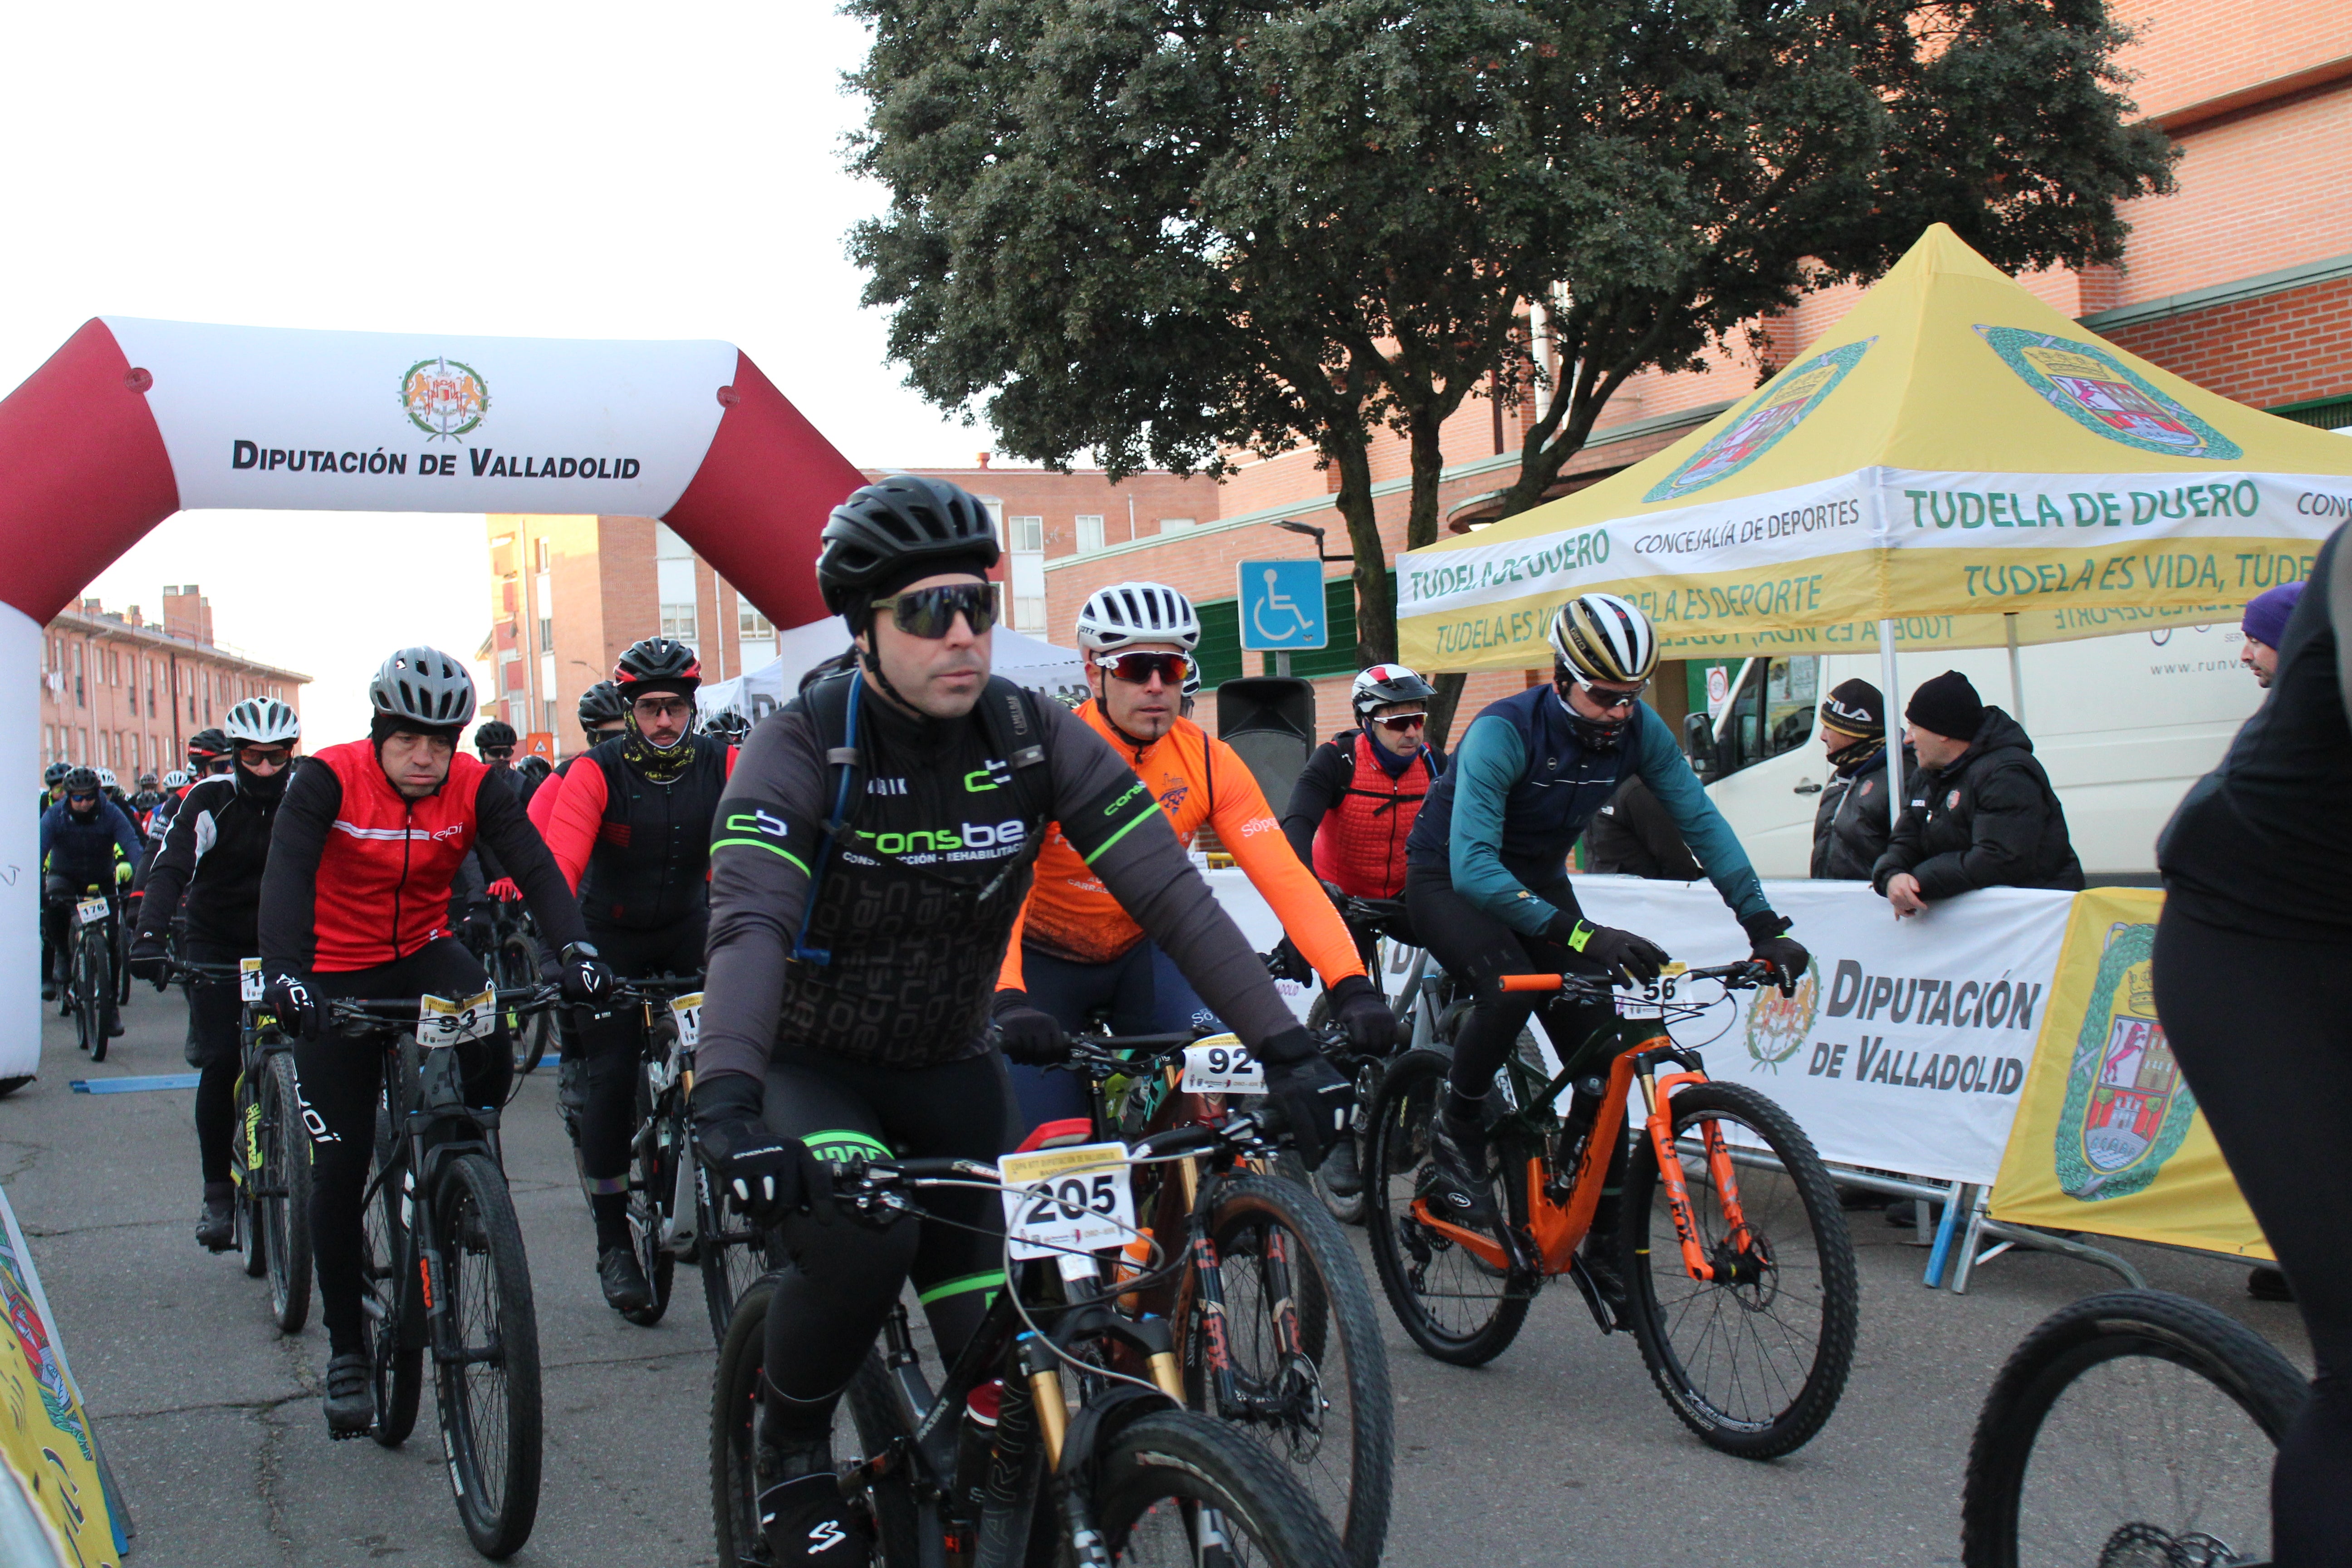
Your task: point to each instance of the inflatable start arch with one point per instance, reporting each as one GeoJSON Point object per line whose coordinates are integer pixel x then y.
{"type": "Point", "coordinates": [133, 420]}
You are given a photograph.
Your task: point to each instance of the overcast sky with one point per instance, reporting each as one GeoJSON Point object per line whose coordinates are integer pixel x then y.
{"type": "Point", "coordinates": [540, 171]}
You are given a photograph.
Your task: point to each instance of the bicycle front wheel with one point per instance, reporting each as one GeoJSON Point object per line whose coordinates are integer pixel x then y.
{"type": "Point", "coordinates": [651, 1188]}
{"type": "Point", "coordinates": [1311, 1377]}
{"type": "Point", "coordinates": [283, 1184]}
{"type": "Point", "coordinates": [1174, 1487]}
{"type": "Point", "coordinates": [2130, 1426]}
{"type": "Point", "coordinates": [91, 984]}
{"type": "Point", "coordinates": [513, 966]}
{"type": "Point", "coordinates": [395, 1339]}
{"type": "Point", "coordinates": [1754, 1359]}
{"type": "Point", "coordinates": [249, 1166]}
{"type": "Point", "coordinates": [1457, 1307]}
{"type": "Point", "coordinates": [730, 1250]}
{"type": "Point", "coordinates": [485, 1358]}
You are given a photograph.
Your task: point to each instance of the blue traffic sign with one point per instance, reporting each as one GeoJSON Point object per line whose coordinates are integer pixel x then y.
{"type": "Point", "coordinates": [1282, 606]}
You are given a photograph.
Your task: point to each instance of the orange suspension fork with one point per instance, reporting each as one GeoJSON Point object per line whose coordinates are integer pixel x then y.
{"type": "Point", "coordinates": [1656, 1096]}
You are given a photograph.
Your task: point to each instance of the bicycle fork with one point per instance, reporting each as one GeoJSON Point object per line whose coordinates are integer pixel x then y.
{"type": "Point", "coordinates": [1657, 1096]}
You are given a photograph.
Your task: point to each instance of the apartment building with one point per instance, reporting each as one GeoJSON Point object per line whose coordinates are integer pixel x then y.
{"type": "Point", "coordinates": [570, 594]}
{"type": "Point", "coordinates": [2239, 280]}
{"type": "Point", "coordinates": [121, 691]}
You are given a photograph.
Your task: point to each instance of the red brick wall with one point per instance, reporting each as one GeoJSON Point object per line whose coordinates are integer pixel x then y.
{"type": "Point", "coordinates": [107, 722]}
{"type": "Point", "coordinates": [2292, 347]}
{"type": "Point", "coordinates": [2188, 51]}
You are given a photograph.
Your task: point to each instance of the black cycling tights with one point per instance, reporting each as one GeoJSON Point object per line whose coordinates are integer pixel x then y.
{"type": "Point", "coordinates": [2263, 1031]}
{"type": "Point", "coordinates": [831, 1302]}
{"type": "Point", "coordinates": [613, 1043]}
{"type": "Point", "coordinates": [340, 1077]}
{"type": "Point", "coordinates": [215, 1029]}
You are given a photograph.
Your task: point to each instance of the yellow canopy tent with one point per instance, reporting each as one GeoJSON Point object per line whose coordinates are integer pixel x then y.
{"type": "Point", "coordinates": [1954, 465]}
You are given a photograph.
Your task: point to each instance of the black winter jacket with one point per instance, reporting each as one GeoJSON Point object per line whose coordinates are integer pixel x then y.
{"type": "Point", "coordinates": [1990, 820]}
{"type": "Point", "coordinates": [1852, 826]}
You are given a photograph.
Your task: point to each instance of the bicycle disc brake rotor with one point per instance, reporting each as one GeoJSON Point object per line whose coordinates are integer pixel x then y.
{"type": "Point", "coordinates": [1748, 1272]}
{"type": "Point", "coordinates": [2138, 1545]}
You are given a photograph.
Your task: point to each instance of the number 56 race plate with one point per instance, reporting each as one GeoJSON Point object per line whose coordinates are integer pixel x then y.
{"type": "Point", "coordinates": [1221, 1064]}
{"type": "Point", "coordinates": [1060, 1200]}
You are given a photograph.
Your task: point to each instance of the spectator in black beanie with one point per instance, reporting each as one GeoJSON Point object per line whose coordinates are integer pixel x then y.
{"type": "Point", "coordinates": [1852, 825]}
{"type": "Point", "coordinates": [1980, 813]}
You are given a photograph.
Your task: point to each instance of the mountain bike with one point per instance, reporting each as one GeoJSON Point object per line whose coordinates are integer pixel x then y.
{"type": "Point", "coordinates": [443, 1265]}
{"type": "Point", "coordinates": [1091, 1458]}
{"type": "Point", "coordinates": [270, 1156]}
{"type": "Point", "coordinates": [1418, 995]}
{"type": "Point", "coordinates": [1738, 1272]}
{"type": "Point", "coordinates": [1273, 1324]}
{"type": "Point", "coordinates": [88, 994]}
{"type": "Point", "coordinates": [126, 921]}
{"type": "Point", "coordinates": [512, 960]}
{"type": "Point", "coordinates": [2130, 1427]}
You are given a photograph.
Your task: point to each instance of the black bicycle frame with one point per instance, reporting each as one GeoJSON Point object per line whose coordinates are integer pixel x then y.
{"type": "Point", "coordinates": [439, 1103]}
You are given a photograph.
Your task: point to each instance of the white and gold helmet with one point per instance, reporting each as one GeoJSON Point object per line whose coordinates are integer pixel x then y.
{"type": "Point", "coordinates": [1601, 637]}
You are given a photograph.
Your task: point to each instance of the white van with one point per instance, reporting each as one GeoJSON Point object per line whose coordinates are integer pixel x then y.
{"type": "Point", "coordinates": [2123, 724]}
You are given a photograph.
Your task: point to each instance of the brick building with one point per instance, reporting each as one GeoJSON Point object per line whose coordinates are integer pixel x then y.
{"type": "Point", "coordinates": [570, 594]}
{"type": "Point", "coordinates": [2239, 280]}
{"type": "Point", "coordinates": [124, 692]}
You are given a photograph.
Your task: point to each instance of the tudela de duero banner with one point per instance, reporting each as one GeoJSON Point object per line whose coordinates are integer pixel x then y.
{"type": "Point", "coordinates": [1907, 1042]}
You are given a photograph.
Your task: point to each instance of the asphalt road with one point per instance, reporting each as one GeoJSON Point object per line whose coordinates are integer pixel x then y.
{"type": "Point", "coordinates": [1560, 1452]}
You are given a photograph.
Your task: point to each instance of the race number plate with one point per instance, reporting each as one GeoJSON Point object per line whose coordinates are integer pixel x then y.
{"type": "Point", "coordinates": [444, 1021]}
{"type": "Point", "coordinates": [1221, 1064]}
{"type": "Point", "coordinates": [1062, 1200]}
{"type": "Point", "coordinates": [90, 911]}
{"type": "Point", "coordinates": [1653, 996]}
{"type": "Point", "coordinates": [248, 979]}
{"type": "Point", "coordinates": [687, 1012]}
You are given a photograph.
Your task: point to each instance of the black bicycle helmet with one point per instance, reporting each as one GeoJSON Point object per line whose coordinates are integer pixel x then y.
{"type": "Point", "coordinates": [494, 732]}
{"type": "Point", "coordinates": [727, 724]}
{"type": "Point", "coordinates": [602, 704]}
{"type": "Point", "coordinates": [893, 530]}
{"type": "Point", "coordinates": [422, 686]}
{"type": "Point", "coordinates": [206, 745]}
{"type": "Point", "coordinates": [82, 781]}
{"type": "Point", "coordinates": [55, 775]}
{"type": "Point", "coordinates": [656, 664]}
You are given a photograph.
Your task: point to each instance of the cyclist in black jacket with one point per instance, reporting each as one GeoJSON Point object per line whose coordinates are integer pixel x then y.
{"type": "Point", "coordinates": [851, 976]}
{"type": "Point", "coordinates": [212, 861]}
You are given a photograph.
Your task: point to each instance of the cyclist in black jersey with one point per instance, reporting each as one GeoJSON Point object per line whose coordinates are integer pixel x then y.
{"type": "Point", "coordinates": [2254, 984]}
{"type": "Point", "coordinates": [858, 915]}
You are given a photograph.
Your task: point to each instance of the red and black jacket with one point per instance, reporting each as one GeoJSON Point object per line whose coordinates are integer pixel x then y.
{"type": "Point", "coordinates": [1348, 819]}
{"type": "Point", "coordinates": [639, 852]}
{"type": "Point", "coordinates": [359, 875]}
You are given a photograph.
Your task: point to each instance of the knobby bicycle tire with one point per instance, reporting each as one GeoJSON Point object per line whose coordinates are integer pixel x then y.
{"type": "Point", "coordinates": [654, 1161]}
{"type": "Point", "coordinates": [731, 1253]}
{"type": "Point", "coordinates": [734, 1414]}
{"type": "Point", "coordinates": [1334, 1309]}
{"type": "Point", "coordinates": [1154, 1475]}
{"type": "Point", "coordinates": [1772, 1203]}
{"type": "Point", "coordinates": [248, 1170]}
{"type": "Point", "coordinates": [488, 1399]}
{"type": "Point", "coordinates": [515, 967]}
{"type": "Point", "coordinates": [396, 1334]}
{"type": "Point", "coordinates": [89, 997]}
{"type": "Point", "coordinates": [2239, 1365]}
{"type": "Point", "coordinates": [1487, 1308]}
{"type": "Point", "coordinates": [286, 1194]}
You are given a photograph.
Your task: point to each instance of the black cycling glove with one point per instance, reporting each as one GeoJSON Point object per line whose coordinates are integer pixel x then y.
{"type": "Point", "coordinates": [1313, 1096]}
{"type": "Point", "coordinates": [586, 981]}
{"type": "Point", "coordinates": [1025, 1035]}
{"type": "Point", "coordinates": [768, 1177]}
{"type": "Point", "coordinates": [1768, 944]}
{"type": "Point", "coordinates": [1357, 1008]}
{"type": "Point", "coordinates": [149, 961]}
{"type": "Point", "coordinates": [290, 1002]}
{"type": "Point", "coordinates": [1622, 956]}
{"type": "Point", "coordinates": [1286, 963]}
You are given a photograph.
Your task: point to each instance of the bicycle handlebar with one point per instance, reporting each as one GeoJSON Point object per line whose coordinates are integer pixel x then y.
{"type": "Point", "coordinates": [1744, 974]}
{"type": "Point", "coordinates": [655, 987]}
{"type": "Point", "coordinates": [401, 1012]}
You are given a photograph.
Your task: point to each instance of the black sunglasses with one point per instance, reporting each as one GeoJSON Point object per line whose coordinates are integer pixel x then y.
{"type": "Point", "coordinates": [1137, 667]}
{"type": "Point", "coordinates": [930, 613]}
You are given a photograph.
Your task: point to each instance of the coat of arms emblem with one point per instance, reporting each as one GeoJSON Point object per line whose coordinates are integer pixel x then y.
{"type": "Point", "coordinates": [1777, 410]}
{"type": "Point", "coordinates": [444, 397]}
{"type": "Point", "coordinates": [2101, 394]}
{"type": "Point", "coordinates": [2126, 1108]}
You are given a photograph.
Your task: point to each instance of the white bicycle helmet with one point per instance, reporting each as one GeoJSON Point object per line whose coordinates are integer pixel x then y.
{"type": "Point", "coordinates": [1599, 637]}
{"type": "Point", "coordinates": [176, 779]}
{"type": "Point", "coordinates": [1127, 613]}
{"type": "Point", "coordinates": [424, 685]}
{"type": "Point", "coordinates": [262, 722]}
{"type": "Point", "coordinates": [106, 779]}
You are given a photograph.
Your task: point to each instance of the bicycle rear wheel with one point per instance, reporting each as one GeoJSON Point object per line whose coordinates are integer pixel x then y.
{"type": "Point", "coordinates": [513, 965]}
{"type": "Point", "coordinates": [1305, 1344]}
{"type": "Point", "coordinates": [1456, 1307]}
{"type": "Point", "coordinates": [285, 1186]}
{"type": "Point", "coordinates": [1175, 1486]}
{"type": "Point", "coordinates": [730, 1251]}
{"type": "Point", "coordinates": [651, 1188]}
{"type": "Point", "coordinates": [485, 1358]}
{"type": "Point", "coordinates": [1754, 1359]}
{"type": "Point", "coordinates": [2131, 1426]}
{"type": "Point", "coordinates": [396, 1334]}
{"type": "Point", "coordinates": [863, 1426]}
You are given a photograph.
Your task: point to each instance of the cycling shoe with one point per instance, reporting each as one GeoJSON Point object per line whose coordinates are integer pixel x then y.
{"type": "Point", "coordinates": [216, 1225]}
{"type": "Point", "coordinates": [806, 1521]}
{"type": "Point", "coordinates": [351, 1402]}
{"type": "Point", "coordinates": [625, 1288]}
{"type": "Point", "coordinates": [1460, 1185]}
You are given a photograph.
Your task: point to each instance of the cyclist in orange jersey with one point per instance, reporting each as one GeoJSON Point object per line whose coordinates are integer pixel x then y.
{"type": "Point", "coordinates": [1075, 949]}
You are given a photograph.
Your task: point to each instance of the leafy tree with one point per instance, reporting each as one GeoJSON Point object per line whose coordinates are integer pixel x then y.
{"type": "Point", "coordinates": [1169, 231]}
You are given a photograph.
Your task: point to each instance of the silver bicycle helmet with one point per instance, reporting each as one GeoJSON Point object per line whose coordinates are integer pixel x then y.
{"type": "Point", "coordinates": [262, 722]}
{"type": "Point", "coordinates": [424, 685]}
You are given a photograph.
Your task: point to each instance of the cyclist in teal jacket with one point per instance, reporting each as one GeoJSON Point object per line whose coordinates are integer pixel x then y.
{"type": "Point", "coordinates": [1486, 872]}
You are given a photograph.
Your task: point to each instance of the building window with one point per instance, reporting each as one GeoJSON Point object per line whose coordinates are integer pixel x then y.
{"type": "Point", "coordinates": [996, 510]}
{"type": "Point", "coordinates": [1029, 614]}
{"type": "Point", "coordinates": [674, 585]}
{"type": "Point", "coordinates": [1029, 535]}
{"type": "Point", "coordinates": [1090, 535]}
{"type": "Point", "coordinates": [1177, 525]}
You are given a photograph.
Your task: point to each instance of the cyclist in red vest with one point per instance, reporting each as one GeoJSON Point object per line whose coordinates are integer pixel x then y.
{"type": "Point", "coordinates": [1356, 799]}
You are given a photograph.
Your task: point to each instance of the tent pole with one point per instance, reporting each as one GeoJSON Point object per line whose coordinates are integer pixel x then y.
{"type": "Point", "coordinates": [1886, 681]}
{"type": "Point", "coordinates": [2016, 672]}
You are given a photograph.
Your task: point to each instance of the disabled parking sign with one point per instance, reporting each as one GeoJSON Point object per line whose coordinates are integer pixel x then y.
{"type": "Point", "coordinates": [1282, 606]}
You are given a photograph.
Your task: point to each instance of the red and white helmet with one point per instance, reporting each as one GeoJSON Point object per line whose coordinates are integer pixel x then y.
{"type": "Point", "coordinates": [1384, 684]}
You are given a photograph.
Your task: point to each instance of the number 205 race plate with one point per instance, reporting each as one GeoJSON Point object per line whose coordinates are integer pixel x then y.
{"type": "Point", "coordinates": [1058, 1201]}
